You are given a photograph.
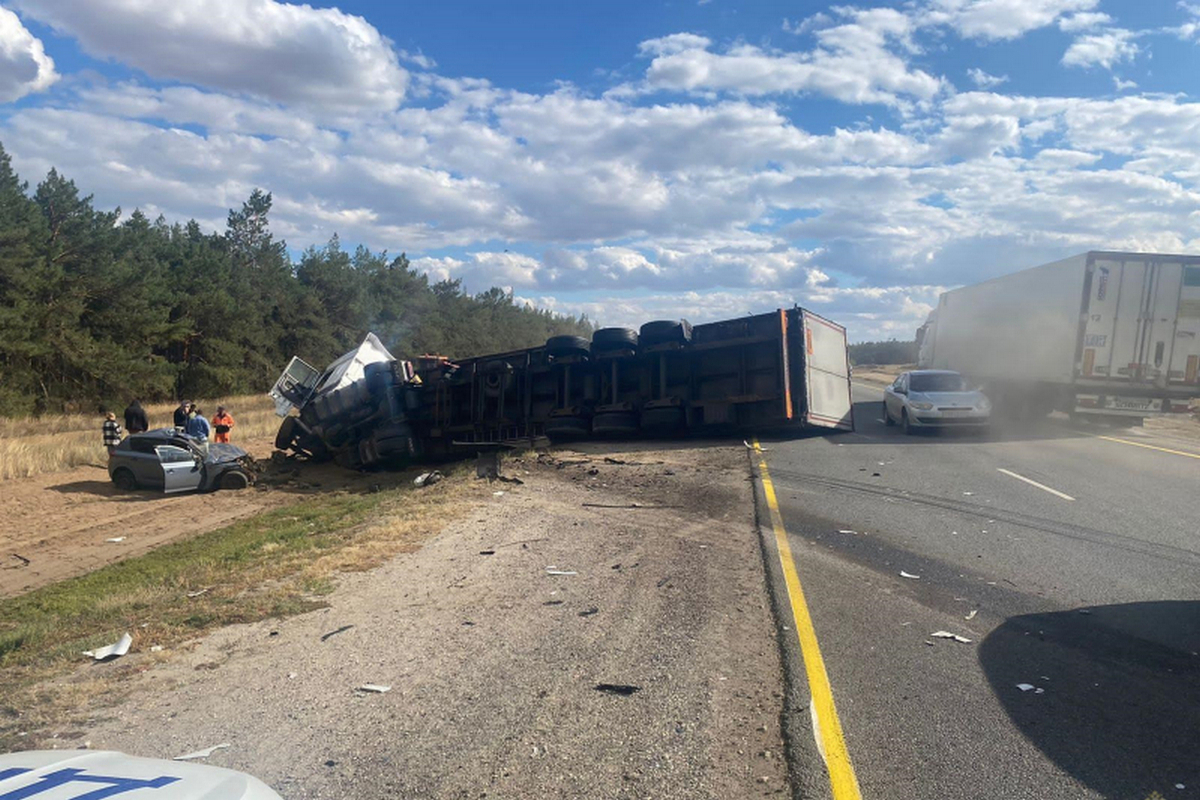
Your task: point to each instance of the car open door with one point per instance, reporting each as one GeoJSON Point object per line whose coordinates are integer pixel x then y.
{"type": "Point", "coordinates": [826, 374]}
{"type": "Point", "coordinates": [181, 469]}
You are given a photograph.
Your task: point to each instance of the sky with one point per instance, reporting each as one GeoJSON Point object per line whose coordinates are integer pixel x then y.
{"type": "Point", "coordinates": [636, 160]}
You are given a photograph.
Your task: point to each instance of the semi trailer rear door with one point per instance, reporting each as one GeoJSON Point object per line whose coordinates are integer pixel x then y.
{"type": "Point", "coordinates": [826, 374]}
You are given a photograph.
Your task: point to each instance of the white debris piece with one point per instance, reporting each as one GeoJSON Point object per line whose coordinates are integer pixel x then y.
{"type": "Point", "coordinates": [376, 688]}
{"type": "Point", "coordinates": [427, 478]}
{"type": "Point", "coordinates": [553, 570]}
{"type": "Point", "coordinates": [156, 648]}
{"type": "Point", "coordinates": [115, 540]}
{"type": "Point", "coordinates": [199, 592]}
{"type": "Point", "coordinates": [115, 650]}
{"type": "Point", "coordinates": [967, 494]}
{"type": "Point", "coordinates": [205, 753]}
{"type": "Point", "coordinates": [854, 532]}
{"type": "Point", "coordinates": [904, 574]}
{"type": "Point", "coordinates": [971, 616]}
{"type": "Point", "coordinates": [1026, 687]}
{"type": "Point", "coordinates": [497, 494]}
{"type": "Point", "coordinates": [949, 635]}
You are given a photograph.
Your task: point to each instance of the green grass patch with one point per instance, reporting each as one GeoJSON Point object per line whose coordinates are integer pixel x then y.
{"type": "Point", "coordinates": [278, 563]}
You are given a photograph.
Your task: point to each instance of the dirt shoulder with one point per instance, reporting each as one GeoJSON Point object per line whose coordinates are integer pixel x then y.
{"type": "Point", "coordinates": [494, 662]}
{"type": "Point", "coordinates": [56, 525]}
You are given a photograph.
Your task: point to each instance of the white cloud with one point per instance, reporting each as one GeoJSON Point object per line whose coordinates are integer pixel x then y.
{"type": "Point", "coordinates": [1000, 19]}
{"type": "Point", "coordinates": [1104, 49]}
{"type": "Point", "coordinates": [281, 52]}
{"type": "Point", "coordinates": [24, 66]}
{"type": "Point", "coordinates": [862, 60]}
{"type": "Point", "coordinates": [818, 20]}
{"type": "Point", "coordinates": [1084, 21]}
{"type": "Point", "coordinates": [1121, 85]}
{"type": "Point", "coordinates": [984, 80]}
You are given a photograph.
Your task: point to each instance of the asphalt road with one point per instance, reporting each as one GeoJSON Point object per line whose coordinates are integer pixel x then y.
{"type": "Point", "coordinates": [1093, 601]}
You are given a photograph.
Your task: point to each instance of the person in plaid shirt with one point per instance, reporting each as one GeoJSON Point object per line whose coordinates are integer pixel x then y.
{"type": "Point", "coordinates": [112, 433]}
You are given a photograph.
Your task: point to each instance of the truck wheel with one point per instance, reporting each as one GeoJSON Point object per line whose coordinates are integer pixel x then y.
{"type": "Point", "coordinates": [615, 423]}
{"type": "Point", "coordinates": [909, 430]}
{"type": "Point", "coordinates": [662, 421]}
{"type": "Point", "coordinates": [887, 418]}
{"type": "Point", "coordinates": [607, 340]}
{"type": "Point", "coordinates": [568, 346]}
{"type": "Point", "coordinates": [123, 479]}
{"type": "Point", "coordinates": [567, 428]}
{"type": "Point", "coordinates": [287, 434]}
{"type": "Point", "coordinates": [666, 330]}
{"type": "Point", "coordinates": [234, 479]}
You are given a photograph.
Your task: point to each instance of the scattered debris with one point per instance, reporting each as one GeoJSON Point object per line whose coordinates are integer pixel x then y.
{"type": "Point", "coordinates": [1084, 611]}
{"type": "Point", "coordinates": [487, 552]}
{"type": "Point", "coordinates": [553, 570]}
{"type": "Point", "coordinates": [904, 574]}
{"type": "Point", "coordinates": [611, 460]}
{"type": "Point", "coordinates": [971, 616]}
{"type": "Point", "coordinates": [967, 494]}
{"type": "Point", "coordinates": [498, 494]}
{"type": "Point", "coordinates": [205, 753]}
{"type": "Point", "coordinates": [114, 650]}
{"type": "Point", "coordinates": [374, 688]}
{"type": "Point", "coordinates": [427, 478]}
{"type": "Point", "coordinates": [876, 475]}
{"type": "Point", "coordinates": [589, 612]}
{"type": "Point", "coordinates": [156, 648]}
{"type": "Point", "coordinates": [1029, 687]}
{"type": "Point", "coordinates": [663, 582]}
{"type": "Point", "coordinates": [949, 635]}
{"type": "Point", "coordinates": [853, 532]}
{"type": "Point", "coordinates": [115, 540]}
{"type": "Point", "coordinates": [342, 629]}
{"type": "Point", "coordinates": [523, 542]}
{"type": "Point", "coordinates": [553, 603]}
{"type": "Point", "coordinates": [504, 479]}
{"type": "Point", "coordinates": [929, 643]}
{"type": "Point", "coordinates": [25, 562]}
{"type": "Point", "coordinates": [622, 689]}
{"type": "Point", "coordinates": [199, 592]}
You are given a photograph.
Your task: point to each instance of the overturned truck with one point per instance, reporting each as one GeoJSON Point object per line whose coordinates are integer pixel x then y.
{"type": "Point", "coordinates": [783, 369]}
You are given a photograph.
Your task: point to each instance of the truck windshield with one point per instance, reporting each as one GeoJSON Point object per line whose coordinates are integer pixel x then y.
{"type": "Point", "coordinates": [939, 382]}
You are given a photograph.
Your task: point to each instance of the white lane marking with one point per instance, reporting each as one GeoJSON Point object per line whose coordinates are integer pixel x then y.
{"type": "Point", "coordinates": [1032, 482]}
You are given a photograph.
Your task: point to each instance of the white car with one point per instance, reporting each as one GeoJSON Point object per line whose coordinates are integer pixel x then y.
{"type": "Point", "coordinates": [934, 398]}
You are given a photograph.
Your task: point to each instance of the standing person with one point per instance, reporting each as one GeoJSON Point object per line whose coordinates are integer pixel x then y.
{"type": "Point", "coordinates": [135, 417]}
{"type": "Point", "coordinates": [181, 414]}
{"type": "Point", "coordinates": [198, 428]}
{"type": "Point", "coordinates": [222, 423]}
{"type": "Point", "coordinates": [112, 433]}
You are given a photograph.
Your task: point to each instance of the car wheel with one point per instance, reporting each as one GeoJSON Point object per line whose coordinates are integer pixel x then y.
{"type": "Point", "coordinates": [909, 430]}
{"type": "Point", "coordinates": [887, 418]}
{"type": "Point", "coordinates": [123, 479]}
{"type": "Point", "coordinates": [234, 479]}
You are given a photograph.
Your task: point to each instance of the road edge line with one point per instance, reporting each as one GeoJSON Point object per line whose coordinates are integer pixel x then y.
{"type": "Point", "coordinates": [828, 736]}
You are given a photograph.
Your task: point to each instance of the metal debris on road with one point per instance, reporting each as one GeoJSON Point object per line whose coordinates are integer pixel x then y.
{"type": "Point", "coordinates": [949, 635]}
{"type": "Point", "coordinates": [342, 629]}
{"type": "Point", "coordinates": [622, 689]}
{"type": "Point", "coordinates": [205, 753]}
{"type": "Point", "coordinates": [115, 540]}
{"type": "Point", "coordinates": [971, 616]}
{"type": "Point", "coordinates": [904, 574]}
{"type": "Point", "coordinates": [114, 650]}
{"type": "Point", "coordinates": [427, 478]}
{"type": "Point", "coordinates": [553, 570]}
{"type": "Point", "coordinates": [487, 552]}
{"type": "Point", "coordinates": [589, 612]}
{"type": "Point", "coordinates": [374, 688]}
{"type": "Point", "coordinates": [1027, 687]}
{"type": "Point", "coordinates": [847, 531]}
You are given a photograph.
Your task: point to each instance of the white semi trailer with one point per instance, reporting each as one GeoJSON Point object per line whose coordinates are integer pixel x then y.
{"type": "Point", "coordinates": [1099, 335]}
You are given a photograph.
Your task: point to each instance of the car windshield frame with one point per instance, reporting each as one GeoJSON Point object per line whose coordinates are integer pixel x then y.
{"type": "Point", "coordinates": [938, 382]}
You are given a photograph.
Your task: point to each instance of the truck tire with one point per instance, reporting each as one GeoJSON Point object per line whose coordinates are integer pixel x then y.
{"type": "Point", "coordinates": [887, 418]}
{"type": "Point", "coordinates": [568, 346]}
{"type": "Point", "coordinates": [123, 479]}
{"type": "Point", "coordinates": [661, 331]}
{"type": "Point", "coordinates": [615, 423]}
{"type": "Point", "coordinates": [562, 429]}
{"type": "Point", "coordinates": [607, 340]}
{"type": "Point", "coordinates": [286, 436]}
{"type": "Point", "coordinates": [234, 479]}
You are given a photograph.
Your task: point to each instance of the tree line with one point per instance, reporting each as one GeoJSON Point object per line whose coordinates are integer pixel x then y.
{"type": "Point", "coordinates": [889, 352]}
{"type": "Point", "coordinates": [96, 309]}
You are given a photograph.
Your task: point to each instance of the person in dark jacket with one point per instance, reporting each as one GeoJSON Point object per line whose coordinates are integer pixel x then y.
{"type": "Point", "coordinates": [135, 417]}
{"type": "Point", "coordinates": [182, 413]}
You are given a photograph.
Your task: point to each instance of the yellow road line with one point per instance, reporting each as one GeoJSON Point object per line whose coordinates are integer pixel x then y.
{"type": "Point", "coordinates": [1150, 447]}
{"type": "Point", "coordinates": [830, 740]}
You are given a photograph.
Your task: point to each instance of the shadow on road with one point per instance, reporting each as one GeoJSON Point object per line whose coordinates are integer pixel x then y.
{"type": "Point", "coordinates": [1116, 693]}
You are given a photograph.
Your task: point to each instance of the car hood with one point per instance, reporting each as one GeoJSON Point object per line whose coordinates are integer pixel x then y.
{"type": "Point", "coordinates": [148, 778]}
{"type": "Point", "coordinates": [964, 399]}
{"type": "Point", "coordinates": [221, 453]}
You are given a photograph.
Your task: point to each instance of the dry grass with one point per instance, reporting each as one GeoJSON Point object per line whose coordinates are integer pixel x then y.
{"type": "Point", "coordinates": [278, 563]}
{"type": "Point", "coordinates": [36, 445]}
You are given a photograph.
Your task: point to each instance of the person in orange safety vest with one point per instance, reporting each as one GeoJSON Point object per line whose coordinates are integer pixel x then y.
{"type": "Point", "coordinates": [222, 424]}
